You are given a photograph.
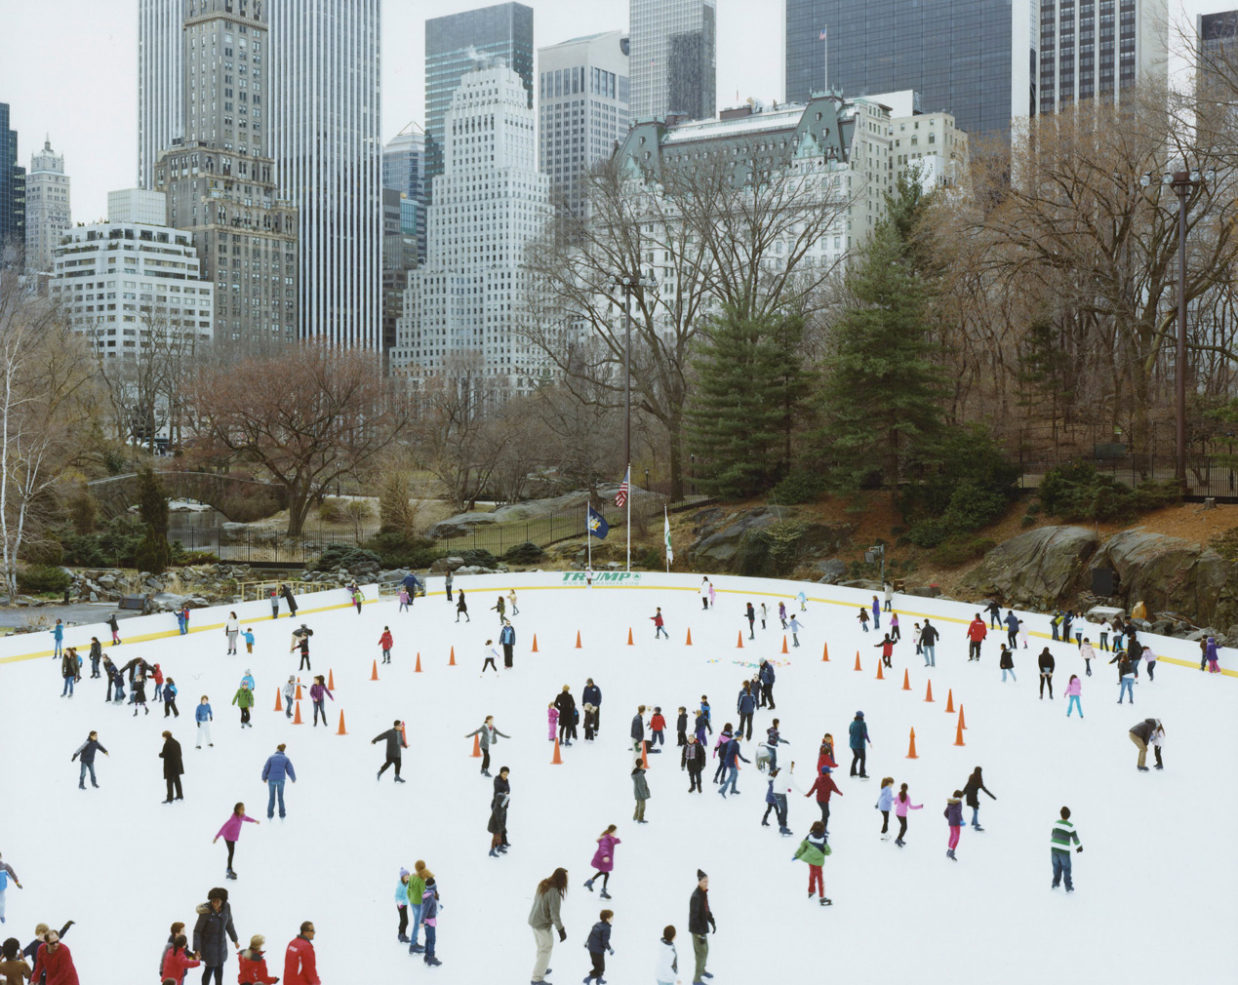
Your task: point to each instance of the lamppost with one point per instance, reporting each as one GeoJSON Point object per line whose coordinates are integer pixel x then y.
{"type": "Point", "coordinates": [1183, 184]}
{"type": "Point", "coordinates": [875, 553]}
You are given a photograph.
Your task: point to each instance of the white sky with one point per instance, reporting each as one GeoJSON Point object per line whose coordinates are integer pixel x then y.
{"type": "Point", "coordinates": [68, 69]}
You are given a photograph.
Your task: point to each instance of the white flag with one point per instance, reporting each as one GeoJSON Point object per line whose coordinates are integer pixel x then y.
{"type": "Point", "coordinates": [666, 527]}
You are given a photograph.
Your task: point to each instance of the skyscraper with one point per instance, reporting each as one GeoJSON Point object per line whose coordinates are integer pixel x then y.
{"type": "Point", "coordinates": [219, 179]}
{"type": "Point", "coordinates": [47, 207]}
{"type": "Point", "coordinates": [12, 192]}
{"type": "Point", "coordinates": [1097, 49]}
{"type": "Point", "coordinates": [975, 59]}
{"type": "Point", "coordinates": [404, 169]}
{"type": "Point", "coordinates": [455, 45]}
{"type": "Point", "coordinates": [674, 55]}
{"type": "Point", "coordinates": [1216, 74]}
{"type": "Point", "coordinates": [584, 108]}
{"type": "Point", "coordinates": [324, 85]}
{"type": "Point", "coordinates": [160, 78]}
{"type": "Point", "coordinates": [463, 317]}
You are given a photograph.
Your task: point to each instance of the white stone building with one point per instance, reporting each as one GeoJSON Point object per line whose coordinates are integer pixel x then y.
{"type": "Point", "coordinates": [47, 207]}
{"type": "Point", "coordinates": [462, 310]}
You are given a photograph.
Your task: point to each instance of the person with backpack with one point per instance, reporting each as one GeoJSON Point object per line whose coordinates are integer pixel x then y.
{"type": "Point", "coordinates": [813, 850]}
{"type": "Point", "coordinates": [170, 692]}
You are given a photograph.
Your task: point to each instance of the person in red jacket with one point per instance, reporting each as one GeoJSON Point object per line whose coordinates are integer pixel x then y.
{"type": "Point", "coordinates": [254, 965]}
{"type": "Point", "coordinates": [976, 632]}
{"type": "Point", "coordinates": [386, 642]}
{"type": "Point", "coordinates": [299, 967]}
{"type": "Point", "coordinates": [825, 756]}
{"type": "Point", "coordinates": [823, 786]}
{"type": "Point", "coordinates": [176, 961]}
{"type": "Point", "coordinates": [54, 961]}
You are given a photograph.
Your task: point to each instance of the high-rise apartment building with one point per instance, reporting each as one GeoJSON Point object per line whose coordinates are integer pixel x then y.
{"type": "Point", "coordinates": [975, 59]}
{"type": "Point", "coordinates": [463, 316]}
{"type": "Point", "coordinates": [128, 285]}
{"type": "Point", "coordinates": [323, 74]}
{"type": "Point", "coordinates": [1099, 49]}
{"type": "Point", "coordinates": [161, 104]}
{"type": "Point", "coordinates": [584, 109]}
{"type": "Point", "coordinates": [12, 193]}
{"type": "Point", "coordinates": [219, 179]}
{"type": "Point", "coordinates": [674, 58]}
{"type": "Point", "coordinates": [457, 44]}
{"type": "Point", "coordinates": [404, 169]}
{"type": "Point", "coordinates": [1216, 74]}
{"type": "Point", "coordinates": [47, 207]}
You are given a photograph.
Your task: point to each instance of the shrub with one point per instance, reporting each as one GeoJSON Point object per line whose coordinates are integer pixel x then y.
{"type": "Point", "coordinates": [1079, 492]}
{"type": "Point", "coordinates": [402, 550]}
{"type": "Point", "coordinates": [346, 556]}
{"type": "Point", "coordinates": [800, 486]}
{"type": "Point", "coordinates": [960, 550]}
{"type": "Point", "coordinates": [43, 552]}
{"type": "Point", "coordinates": [928, 533]}
{"type": "Point", "coordinates": [254, 503]}
{"type": "Point", "coordinates": [332, 510]}
{"type": "Point", "coordinates": [526, 553]}
{"type": "Point", "coordinates": [649, 559]}
{"type": "Point", "coordinates": [482, 558]}
{"type": "Point", "coordinates": [37, 579]}
{"type": "Point", "coordinates": [1028, 520]}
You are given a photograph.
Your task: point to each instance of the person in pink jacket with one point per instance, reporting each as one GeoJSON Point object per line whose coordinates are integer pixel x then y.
{"type": "Point", "coordinates": [231, 831]}
{"type": "Point", "coordinates": [902, 804]}
{"type": "Point", "coordinates": [604, 859]}
{"type": "Point", "coordinates": [552, 720]}
{"type": "Point", "coordinates": [1073, 690]}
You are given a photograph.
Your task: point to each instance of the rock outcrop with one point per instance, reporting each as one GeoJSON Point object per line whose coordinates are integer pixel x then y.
{"type": "Point", "coordinates": [1035, 569]}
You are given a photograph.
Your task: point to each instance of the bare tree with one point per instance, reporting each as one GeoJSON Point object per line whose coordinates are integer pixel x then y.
{"type": "Point", "coordinates": [47, 401]}
{"type": "Point", "coordinates": [307, 418]}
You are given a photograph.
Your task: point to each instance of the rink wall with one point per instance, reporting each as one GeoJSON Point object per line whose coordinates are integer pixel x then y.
{"type": "Point", "coordinates": [162, 625]}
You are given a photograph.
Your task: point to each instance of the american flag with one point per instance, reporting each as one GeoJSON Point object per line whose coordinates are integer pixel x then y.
{"type": "Point", "coordinates": [824, 34]}
{"type": "Point", "coordinates": [621, 496]}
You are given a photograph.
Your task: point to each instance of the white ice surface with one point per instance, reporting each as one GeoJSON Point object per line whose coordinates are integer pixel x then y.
{"type": "Point", "coordinates": [1155, 898]}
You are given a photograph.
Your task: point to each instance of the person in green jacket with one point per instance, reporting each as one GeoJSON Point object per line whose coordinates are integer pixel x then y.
{"type": "Point", "coordinates": [813, 850]}
{"type": "Point", "coordinates": [416, 890]}
{"type": "Point", "coordinates": [1059, 848]}
{"type": "Point", "coordinates": [244, 698]}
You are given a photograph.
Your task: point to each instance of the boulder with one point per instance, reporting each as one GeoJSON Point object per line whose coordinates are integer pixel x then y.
{"type": "Point", "coordinates": [1172, 575]}
{"type": "Point", "coordinates": [830, 571]}
{"type": "Point", "coordinates": [442, 565]}
{"type": "Point", "coordinates": [1035, 569]}
{"type": "Point", "coordinates": [460, 524]}
{"type": "Point", "coordinates": [715, 551]}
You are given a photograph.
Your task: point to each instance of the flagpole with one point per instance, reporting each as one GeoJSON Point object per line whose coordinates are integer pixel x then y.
{"type": "Point", "coordinates": [628, 504]}
{"type": "Point", "coordinates": [588, 538]}
{"type": "Point", "coordinates": [666, 526]}
{"type": "Point", "coordinates": [825, 53]}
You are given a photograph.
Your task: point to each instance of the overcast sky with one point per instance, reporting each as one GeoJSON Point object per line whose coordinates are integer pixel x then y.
{"type": "Point", "coordinates": [68, 69]}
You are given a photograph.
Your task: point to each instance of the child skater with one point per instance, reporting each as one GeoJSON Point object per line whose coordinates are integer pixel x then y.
{"type": "Point", "coordinates": [599, 946]}
{"type": "Point", "coordinates": [902, 804]}
{"type": "Point", "coordinates": [813, 850]}
{"type": "Point", "coordinates": [231, 831]}
{"type": "Point", "coordinates": [885, 800]}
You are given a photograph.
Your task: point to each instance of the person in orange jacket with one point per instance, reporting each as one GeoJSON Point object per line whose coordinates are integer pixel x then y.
{"type": "Point", "coordinates": [177, 960]}
{"type": "Point", "coordinates": [976, 632]}
{"type": "Point", "coordinates": [299, 965]}
{"type": "Point", "coordinates": [254, 964]}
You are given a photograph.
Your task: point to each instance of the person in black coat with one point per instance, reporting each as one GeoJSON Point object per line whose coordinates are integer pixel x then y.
{"type": "Point", "coordinates": [96, 654]}
{"type": "Point", "coordinates": [1046, 663]}
{"type": "Point", "coordinates": [637, 731]}
{"type": "Point", "coordinates": [567, 714]}
{"type": "Point", "coordinates": [173, 767]}
{"type": "Point", "coordinates": [971, 791]}
{"type": "Point", "coordinates": [286, 593]}
{"type": "Point", "coordinates": [681, 727]}
{"type": "Point", "coordinates": [502, 792]}
{"type": "Point", "coordinates": [211, 933]}
{"type": "Point", "coordinates": [692, 759]}
{"type": "Point", "coordinates": [395, 742]}
{"type": "Point", "coordinates": [592, 695]}
{"type": "Point", "coordinates": [700, 922]}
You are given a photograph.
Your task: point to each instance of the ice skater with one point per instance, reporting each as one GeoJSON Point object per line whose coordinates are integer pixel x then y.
{"type": "Point", "coordinates": [704, 593]}
{"type": "Point", "coordinates": [886, 646]}
{"type": "Point", "coordinates": [971, 789]}
{"type": "Point", "coordinates": [497, 825]}
{"type": "Point", "coordinates": [386, 643]}
{"type": "Point", "coordinates": [300, 641]}
{"type": "Point", "coordinates": [1062, 835]}
{"type": "Point", "coordinates": [659, 625]}
{"type": "Point", "coordinates": [231, 831]}
{"type": "Point", "coordinates": [885, 800]}
{"type": "Point", "coordinates": [751, 615]}
{"type": "Point", "coordinates": [903, 804]}
{"type": "Point", "coordinates": [462, 608]}
{"type": "Point", "coordinates": [511, 601]}
{"type": "Point", "coordinates": [598, 946]}
{"type": "Point", "coordinates": [780, 788]}
{"type": "Point", "coordinates": [863, 617]}
{"type": "Point", "coordinates": [290, 692]}
{"type": "Point", "coordinates": [543, 916]}
{"type": "Point", "coordinates": [500, 606]}
{"type": "Point", "coordinates": [813, 850]}
{"type": "Point", "coordinates": [603, 861]}
{"type": "Point", "coordinates": [429, 919]}
{"type": "Point", "coordinates": [395, 743]}
{"type": "Point", "coordinates": [1088, 654]}
{"type": "Point", "coordinates": [170, 691]}
{"type": "Point", "coordinates": [319, 692]}
{"type": "Point", "coordinates": [823, 786]}
{"type": "Point", "coordinates": [274, 771]}
{"type": "Point", "coordinates": [86, 752]}
{"type": "Point", "coordinates": [204, 716]}
{"type": "Point", "coordinates": [173, 768]}
{"type": "Point", "coordinates": [1005, 661]}
{"type": "Point", "coordinates": [1073, 690]}
{"type": "Point", "coordinates": [795, 626]}
{"type": "Point", "coordinates": [489, 656]}
{"type": "Point", "coordinates": [232, 629]}
{"type": "Point", "coordinates": [954, 818]}
{"type": "Point", "coordinates": [7, 873]}
{"type": "Point", "coordinates": [640, 790]}
{"type": "Point", "coordinates": [1046, 664]}
{"type": "Point", "coordinates": [1149, 732]}
{"type": "Point", "coordinates": [244, 699]}
{"type": "Point", "coordinates": [507, 640]}
{"type": "Point", "coordinates": [114, 626]}
{"type": "Point", "coordinates": [857, 732]}
{"type": "Point", "coordinates": [489, 734]}
{"type": "Point", "coordinates": [248, 637]}
{"type": "Point", "coordinates": [692, 759]}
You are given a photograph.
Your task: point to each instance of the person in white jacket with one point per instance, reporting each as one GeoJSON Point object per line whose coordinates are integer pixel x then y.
{"type": "Point", "coordinates": [668, 959]}
{"type": "Point", "coordinates": [232, 629]}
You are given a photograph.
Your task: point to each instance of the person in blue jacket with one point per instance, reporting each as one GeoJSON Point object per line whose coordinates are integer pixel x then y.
{"type": "Point", "coordinates": [598, 946]}
{"type": "Point", "coordinates": [86, 752]}
{"type": "Point", "coordinates": [58, 636]}
{"type": "Point", "coordinates": [767, 685]}
{"type": "Point", "coordinates": [745, 706]}
{"type": "Point", "coordinates": [507, 640]}
{"type": "Point", "coordinates": [1012, 629]}
{"type": "Point", "coordinates": [592, 695]}
{"type": "Point", "coordinates": [277, 767]}
{"type": "Point", "coordinates": [858, 732]}
{"type": "Point", "coordinates": [731, 758]}
{"type": "Point", "coordinates": [204, 716]}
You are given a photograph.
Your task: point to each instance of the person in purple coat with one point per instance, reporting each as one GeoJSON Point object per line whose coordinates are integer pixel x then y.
{"type": "Point", "coordinates": [231, 831]}
{"type": "Point", "coordinates": [604, 859]}
{"type": "Point", "coordinates": [319, 691]}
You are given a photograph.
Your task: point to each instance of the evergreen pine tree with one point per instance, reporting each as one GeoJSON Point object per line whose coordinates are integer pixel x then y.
{"type": "Point", "coordinates": [153, 554]}
{"type": "Point", "coordinates": [880, 397]}
{"type": "Point", "coordinates": [747, 396]}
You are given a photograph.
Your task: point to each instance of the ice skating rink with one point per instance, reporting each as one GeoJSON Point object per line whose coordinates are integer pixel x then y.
{"type": "Point", "coordinates": [1155, 896]}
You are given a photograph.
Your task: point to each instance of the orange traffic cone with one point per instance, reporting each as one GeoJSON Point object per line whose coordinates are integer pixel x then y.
{"type": "Point", "coordinates": [341, 730]}
{"type": "Point", "coordinates": [911, 749]}
{"type": "Point", "coordinates": [857, 660]}
{"type": "Point", "coordinates": [578, 639]}
{"type": "Point", "coordinates": [330, 680]}
{"type": "Point", "coordinates": [417, 669]}
{"type": "Point", "coordinates": [784, 644]}
{"type": "Point", "coordinates": [928, 693]}
{"type": "Point", "coordinates": [296, 718]}
{"type": "Point", "coordinates": [950, 702]}
{"type": "Point", "coordinates": [374, 671]}
{"type": "Point", "coordinates": [631, 642]}
{"type": "Point", "coordinates": [906, 680]}
{"type": "Point", "coordinates": [279, 706]}
{"type": "Point", "coordinates": [477, 747]}
{"type": "Point", "coordinates": [825, 653]}
{"type": "Point", "coordinates": [451, 659]}
{"type": "Point", "coordinates": [298, 694]}
{"type": "Point", "coordinates": [534, 650]}
{"type": "Point", "coordinates": [958, 735]}
{"type": "Point", "coordinates": [688, 642]}
{"type": "Point", "coordinates": [739, 640]}
{"type": "Point", "coordinates": [644, 755]}
{"type": "Point", "coordinates": [556, 759]}
{"type": "Point", "coordinates": [880, 675]}
{"type": "Point", "coordinates": [962, 720]}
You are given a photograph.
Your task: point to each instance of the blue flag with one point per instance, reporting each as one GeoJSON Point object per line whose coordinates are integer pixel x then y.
{"type": "Point", "coordinates": [598, 526]}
